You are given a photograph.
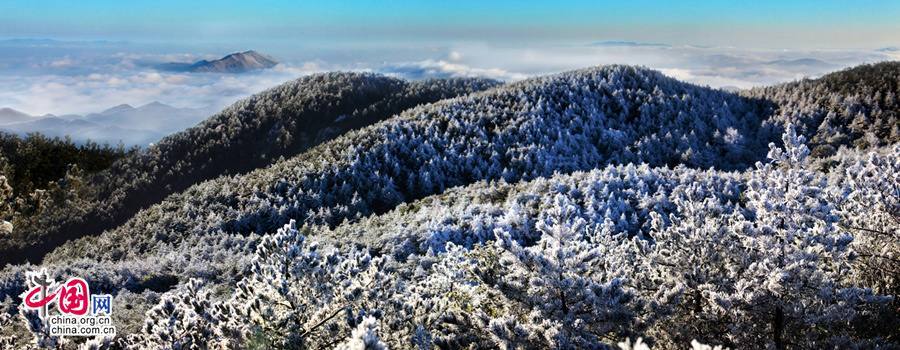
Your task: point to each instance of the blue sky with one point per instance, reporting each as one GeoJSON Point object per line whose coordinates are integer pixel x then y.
{"type": "Point", "coordinates": [757, 23]}
{"type": "Point", "coordinates": [104, 53]}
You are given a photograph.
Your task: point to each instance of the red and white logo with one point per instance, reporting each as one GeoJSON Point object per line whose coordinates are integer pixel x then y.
{"type": "Point", "coordinates": [80, 313]}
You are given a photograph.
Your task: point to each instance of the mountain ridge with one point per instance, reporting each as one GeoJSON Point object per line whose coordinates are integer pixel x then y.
{"type": "Point", "coordinates": [11, 116]}
{"type": "Point", "coordinates": [373, 169]}
{"type": "Point", "coordinates": [311, 109]}
{"type": "Point", "coordinates": [238, 62]}
{"type": "Point", "coordinates": [133, 126]}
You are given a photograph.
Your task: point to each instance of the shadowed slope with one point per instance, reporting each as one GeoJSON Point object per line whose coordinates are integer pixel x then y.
{"type": "Point", "coordinates": [252, 133]}
{"type": "Point", "coordinates": [562, 123]}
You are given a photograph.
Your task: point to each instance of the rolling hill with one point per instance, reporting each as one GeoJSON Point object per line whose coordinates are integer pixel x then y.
{"type": "Point", "coordinates": [521, 131]}
{"type": "Point", "coordinates": [254, 132]}
{"type": "Point", "coordinates": [858, 106]}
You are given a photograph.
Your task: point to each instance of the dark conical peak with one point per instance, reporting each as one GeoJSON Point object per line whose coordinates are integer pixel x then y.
{"type": "Point", "coordinates": [236, 63]}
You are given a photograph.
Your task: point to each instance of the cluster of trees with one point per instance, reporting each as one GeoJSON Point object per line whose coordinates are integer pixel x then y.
{"type": "Point", "coordinates": [762, 258]}
{"type": "Point", "coordinates": [452, 224]}
{"type": "Point", "coordinates": [774, 268]}
{"type": "Point", "coordinates": [253, 133]}
{"type": "Point", "coordinates": [38, 173]}
{"type": "Point", "coordinates": [612, 115]}
{"type": "Point", "coordinates": [858, 106]}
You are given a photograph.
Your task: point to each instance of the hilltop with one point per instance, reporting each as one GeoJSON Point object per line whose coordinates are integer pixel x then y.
{"type": "Point", "coordinates": [238, 62]}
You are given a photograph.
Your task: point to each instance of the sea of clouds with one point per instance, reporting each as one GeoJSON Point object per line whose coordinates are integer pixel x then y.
{"type": "Point", "coordinates": [80, 77]}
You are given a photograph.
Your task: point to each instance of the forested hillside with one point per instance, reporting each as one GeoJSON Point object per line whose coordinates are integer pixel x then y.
{"type": "Point", "coordinates": [562, 123]}
{"type": "Point", "coordinates": [38, 173]}
{"type": "Point", "coordinates": [252, 133]}
{"type": "Point", "coordinates": [859, 106]}
{"type": "Point", "coordinates": [586, 209]}
{"type": "Point", "coordinates": [29, 163]}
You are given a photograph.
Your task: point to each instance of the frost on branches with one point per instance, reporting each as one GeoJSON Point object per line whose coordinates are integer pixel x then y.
{"type": "Point", "coordinates": [299, 296]}
{"type": "Point", "coordinates": [773, 273]}
{"type": "Point", "coordinates": [869, 207]}
{"type": "Point", "coordinates": [779, 256]}
{"type": "Point", "coordinates": [295, 296]}
{"type": "Point", "coordinates": [567, 288]}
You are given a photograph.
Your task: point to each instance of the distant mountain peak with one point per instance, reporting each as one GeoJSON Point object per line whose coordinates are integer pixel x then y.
{"type": "Point", "coordinates": [808, 62]}
{"type": "Point", "coordinates": [118, 109]}
{"type": "Point", "coordinates": [9, 116]}
{"type": "Point", "coordinates": [156, 104]}
{"type": "Point", "coordinates": [7, 110]}
{"type": "Point", "coordinates": [237, 62]}
{"type": "Point", "coordinates": [626, 43]}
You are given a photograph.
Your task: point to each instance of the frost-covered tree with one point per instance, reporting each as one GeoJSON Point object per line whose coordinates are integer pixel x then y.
{"type": "Point", "coordinates": [690, 268]}
{"type": "Point", "coordinates": [867, 196]}
{"type": "Point", "coordinates": [869, 206]}
{"type": "Point", "coordinates": [773, 275]}
{"type": "Point", "coordinates": [182, 320]}
{"type": "Point", "coordinates": [300, 297]}
{"type": "Point", "coordinates": [564, 285]}
{"type": "Point", "coordinates": [364, 337]}
{"type": "Point", "coordinates": [446, 303]}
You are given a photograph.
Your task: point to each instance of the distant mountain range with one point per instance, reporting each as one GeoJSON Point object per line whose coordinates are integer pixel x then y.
{"type": "Point", "coordinates": [9, 116]}
{"type": "Point", "coordinates": [802, 62]}
{"type": "Point", "coordinates": [123, 123]}
{"type": "Point", "coordinates": [239, 62]}
{"type": "Point", "coordinates": [624, 43]}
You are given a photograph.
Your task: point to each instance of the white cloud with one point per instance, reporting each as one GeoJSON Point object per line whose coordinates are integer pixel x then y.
{"type": "Point", "coordinates": [84, 82]}
{"type": "Point", "coordinates": [62, 63]}
{"type": "Point", "coordinates": [82, 94]}
{"type": "Point", "coordinates": [443, 69]}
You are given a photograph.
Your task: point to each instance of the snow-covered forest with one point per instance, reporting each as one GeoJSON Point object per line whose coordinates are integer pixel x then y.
{"type": "Point", "coordinates": [257, 131]}
{"type": "Point", "coordinates": [608, 207]}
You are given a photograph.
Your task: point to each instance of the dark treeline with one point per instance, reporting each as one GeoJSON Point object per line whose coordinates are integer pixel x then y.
{"type": "Point", "coordinates": [30, 163]}
{"type": "Point", "coordinates": [39, 174]}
